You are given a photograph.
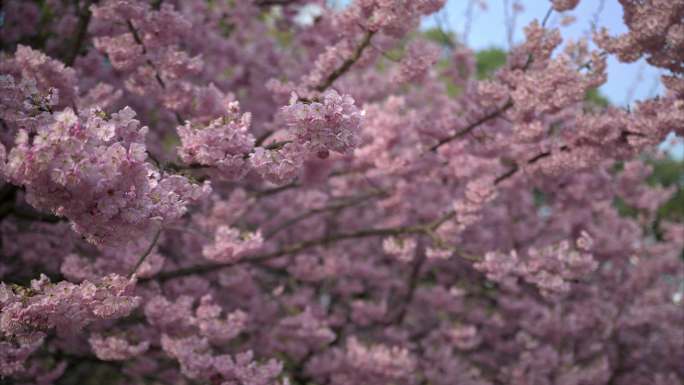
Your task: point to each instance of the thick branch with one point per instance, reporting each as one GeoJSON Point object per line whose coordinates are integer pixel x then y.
{"type": "Point", "coordinates": [8, 206]}
{"type": "Point", "coordinates": [412, 285]}
{"type": "Point", "coordinates": [426, 229]}
{"type": "Point", "coordinates": [156, 4]}
{"type": "Point", "coordinates": [82, 28]}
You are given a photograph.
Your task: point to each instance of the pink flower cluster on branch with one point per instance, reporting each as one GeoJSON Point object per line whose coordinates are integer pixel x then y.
{"type": "Point", "coordinates": [223, 143]}
{"type": "Point", "coordinates": [333, 124]}
{"type": "Point", "coordinates": [94, 171]}
{"type": "Point", "coordinates": [551, 268]}
{"type": "Point", "coordinates": [28, 314]}
{"type": "Point", "coordinates": [564, 5]}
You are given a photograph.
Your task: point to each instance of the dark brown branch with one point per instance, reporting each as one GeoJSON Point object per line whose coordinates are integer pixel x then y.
{"type": "Point", "coordinates": [261, 139]}
{"type": "Point", "coordinates": [157, 75]}
{"type": "Point", "coordinates": [84, 16]}
{"type": "Point", "coordinates": [32, 215]}
{"type": "Point", "coordinates": [147, 252]}
{"type": "Point", "coordinates": [473, 125]}
{"type": "Point", "coordinates": [407, 298]}
{"type": "Point", "coordinates": [425, 228]}
{"type": "Point", "coordinates": [341, 70]}
{"type": "Point", "coordinates": [506, 175]}
{"type": "Point", "coordinates": [156, 4]}
{"type": "Point", "coordinates": [149, 62]}
{"type": "Point", "coordinates": [515, 167]}
{"type": "Point", "coordinates": [334, 207]}
{"type": "Point", "coordinates": [547, 17]}
{"type": "Point", "coordinates": [496, 113]}
{"type": "Point", "coordinates": [8, 206]}
{"type": "Point", "coordinates": [270, 3]}
{"type": "Point", "coordinates": [275, 190]}
{"type": "Point", "coordinates": [5, 209]}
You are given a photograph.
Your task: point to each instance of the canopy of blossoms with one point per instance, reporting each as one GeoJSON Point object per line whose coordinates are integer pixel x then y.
{"type": "Point", "coordinates": [216, 192]}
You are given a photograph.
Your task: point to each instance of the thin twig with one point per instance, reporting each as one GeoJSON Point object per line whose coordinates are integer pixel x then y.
{"type": "Point", "coordinates": [341, 70]}
{"type": "Point", "coordinates": [157, 75]}
{"type": "Point", "coordinates": [338, 206]}
{"type": "Point", "coordinates": [147, 252]}
{"type": "Point", "coordinates": [547, 17]}
{"type": "Point", "coordinates": [473, 125]}
{"type": "Point", "coordinates": [261, 139]}
{"type": "Point", "coordinates": [275, 190]}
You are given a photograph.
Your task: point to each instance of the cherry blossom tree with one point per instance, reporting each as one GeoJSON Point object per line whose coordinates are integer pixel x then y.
{"type": "Point", "coordinates": [224, 192]}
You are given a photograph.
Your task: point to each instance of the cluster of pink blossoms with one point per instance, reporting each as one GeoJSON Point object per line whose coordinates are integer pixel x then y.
{"type": "Point", "coordinates": [95, 172]}
{"type": "Point", "coordinates": [564, 5]}
{"type": "Point", "coordinates": [230, 245]}
{"type": "Point", "coordinates": [551, 269]}
{"type": "Point", "coordinates": [333, 124]}
{"type": "Point", "coordinates": [223, 143]}
{"type": "Point", "coordinates": [28, 314]}
{"type": "Point", "coordinates": [418, 59]}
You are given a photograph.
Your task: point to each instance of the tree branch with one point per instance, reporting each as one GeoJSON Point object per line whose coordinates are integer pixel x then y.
{"type": "Point", "coordinates": [157, 75]}
{"type": "Point", "coordinates": [341, 70]}
{"type": "Point", "coordinates": [426, 228]}
{"type": "Point", "coordinates": [337, 206]}
{"type": "Point", "coordinates": [270, 3]}
{"type": "Point", "coordinates": [147, 252]}
{"type": "Point", "coordinates": [84, 16]}
{"type": "Point", "coordinates": [473, 125]}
